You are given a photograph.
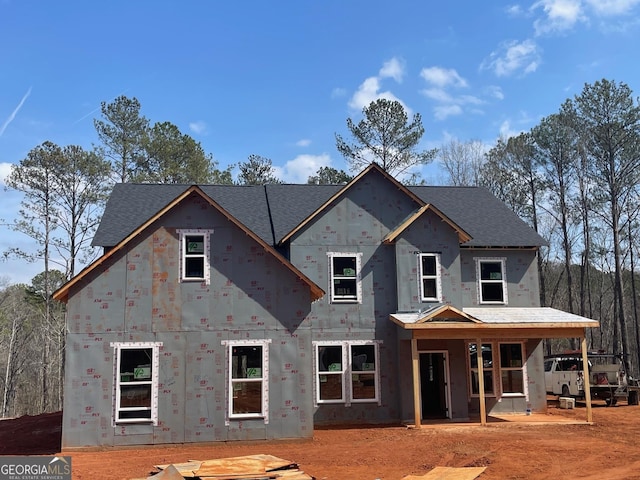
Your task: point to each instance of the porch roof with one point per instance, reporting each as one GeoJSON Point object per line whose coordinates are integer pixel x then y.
{"type": "Point", "coordinates": [445, 321]}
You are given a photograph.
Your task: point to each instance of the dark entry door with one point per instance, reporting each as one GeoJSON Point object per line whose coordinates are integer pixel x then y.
{"type": "Point", "coordinates": [433, 385]}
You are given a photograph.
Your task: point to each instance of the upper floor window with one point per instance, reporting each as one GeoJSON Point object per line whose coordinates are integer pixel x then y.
{"type": "Point", "coordinates": [430, 280]}
{"type": "Point", "coordinates": [136, 382]}
{"type": "Point", "coordinates": [344, 274]}
{"type": "Point", "coordinates": [248, 374]}
{"type": "Point", "coordinates": [492, 280]}
{"type": "Point", "coordinates": [347, 372]}
{"type": "Point", "coordinates": [194, 255]}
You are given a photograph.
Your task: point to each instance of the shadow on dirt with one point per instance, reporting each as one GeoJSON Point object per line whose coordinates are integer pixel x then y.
{"type": "Point", "coordinates": [31, 435]}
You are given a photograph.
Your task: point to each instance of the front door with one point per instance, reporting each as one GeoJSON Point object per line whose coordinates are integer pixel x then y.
{"type": "Point", "coordinates": [434, 385]}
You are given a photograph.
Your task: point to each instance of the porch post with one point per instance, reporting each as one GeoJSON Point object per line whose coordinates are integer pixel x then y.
{"type": "Point", "coordinates": [585, 377]}
{"type": "Point", "coordinates": [415, 368]}
{"type": "Point", "coordinates": [483, 407]}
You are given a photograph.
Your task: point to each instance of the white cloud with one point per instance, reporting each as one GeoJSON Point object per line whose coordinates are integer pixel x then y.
{"type": "Point", "coordinates": [368, 92]}
{"type": "Point", "coordinates": [469, 100]}
{"type": "Point", "coordinates": [437, 94]}
{"type": "Point", "coordinates": [495, 92]}
{"type": "Point", "coordinates": [442, 80]}
{"type": "Point", "coordinates": [513, 57]}
{"type": "Point", "coordinates": [5, 170]}
{"type": "Point", "coordinates": [560, 15]}
{"type": "Point", "coordinates": [198, 127]}
{"type": "Point", "coordinates": [507, 131]}
{"type": "Point", "coordinates": [608, 8]}
{"type": "Point", "coordinates": [443, 77]}
{"type": "Point", "coordinates": [443, 111]}
{"type": "Point", "coordinates": [514, 10]}
{"type": "Point", "coordinates": [305, 142]}
{"type": "Point", "coordinates": [393, 68]}
{"type": "Point", "coordinates": [302, 167]}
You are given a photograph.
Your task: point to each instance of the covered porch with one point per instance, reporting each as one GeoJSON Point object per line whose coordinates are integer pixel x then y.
{"type": "Point", "coordinates": [479, 326]}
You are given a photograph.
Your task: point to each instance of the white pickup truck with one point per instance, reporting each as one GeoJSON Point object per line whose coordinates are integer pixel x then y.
{"type": "Point", "coordinates": [564, 376]}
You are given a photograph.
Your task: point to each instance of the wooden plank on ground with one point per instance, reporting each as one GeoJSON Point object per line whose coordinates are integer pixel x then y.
{"type": "Point", "coordinates": [186, 469]}
{"type": "Point", "coordinates": [449, 473]}
{"type": "Point", "coordinates": [249, 466]}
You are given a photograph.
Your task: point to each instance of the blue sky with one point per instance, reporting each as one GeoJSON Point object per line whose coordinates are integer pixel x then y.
{"type": "Point", "coordinates": [279, 79]}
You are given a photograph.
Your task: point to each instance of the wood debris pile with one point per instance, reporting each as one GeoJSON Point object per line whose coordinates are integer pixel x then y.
{"type": "Point", "coordinates": [250, 467]}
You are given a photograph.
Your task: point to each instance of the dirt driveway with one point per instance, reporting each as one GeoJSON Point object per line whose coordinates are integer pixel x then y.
{"type": "Point", "coordinates": [510, 450]}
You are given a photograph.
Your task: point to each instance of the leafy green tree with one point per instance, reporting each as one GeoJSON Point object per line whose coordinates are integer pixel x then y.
{"type": "Point", "coordinates": [38, 217]}
{"type": "Point", "coordinates": [122, 132]}
{"type": "Point", "coordinates": [222, 177]}
{"type": "Point", "coordinates": [329, 176]}
{"type": "Point", "coordinates": [513, 173]}
{"type": "Point", "coordinates": [174, 157]}
{"type": "Point", "coordinates": [257, 170]}
{"type": "Point", "coordinates": [385, 136]}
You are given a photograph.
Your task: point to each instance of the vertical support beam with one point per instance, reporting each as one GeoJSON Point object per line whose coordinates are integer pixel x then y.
{"type": "Point", "coordinates": [483, 405]}
{"type": "Point", "coordinates": [585, 378]}
{"type": "Point", "coordinates": [415, 368]}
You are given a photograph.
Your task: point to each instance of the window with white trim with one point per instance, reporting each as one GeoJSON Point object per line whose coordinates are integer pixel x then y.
{"type": "Point", "coordinates": [347, 372]}
{"type": "Point", "coordinates": [136, 381]}
{"type": "Point", "coordinates": [492, 280]}
{"type": "Point", "coordinates": [430, 279]}
{"type": "Point", "coordinates": [512, 376]}
{"type": "Point", "coordinates": [344, 277]}
{"type": "Point", "coordinates": [503, 366]}
{"type": "Point", "coordinates": [487, 368]}
{"type": "Point", "coordinates": [194, 255]}
{"type": "Point", "coordinates": [248, 375]}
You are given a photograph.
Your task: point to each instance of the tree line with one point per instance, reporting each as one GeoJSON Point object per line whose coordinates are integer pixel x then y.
{"type": "Point", "coordinates": [573, 177]}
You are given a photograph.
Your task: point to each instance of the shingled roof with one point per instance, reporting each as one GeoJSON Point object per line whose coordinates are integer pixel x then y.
{"type": "Point", "coordinates": [273, 211]}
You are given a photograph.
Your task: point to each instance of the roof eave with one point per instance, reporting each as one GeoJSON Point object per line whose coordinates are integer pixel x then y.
{"type": "Point", "coordinates": [62, 294]}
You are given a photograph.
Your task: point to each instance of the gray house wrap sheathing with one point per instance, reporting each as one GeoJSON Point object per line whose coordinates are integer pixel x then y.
{"type": "Point", "coordinates": [222, 313]}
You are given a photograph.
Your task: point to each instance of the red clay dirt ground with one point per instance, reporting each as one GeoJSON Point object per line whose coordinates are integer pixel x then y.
{"type": "Point", "coordinates": [608, 449]}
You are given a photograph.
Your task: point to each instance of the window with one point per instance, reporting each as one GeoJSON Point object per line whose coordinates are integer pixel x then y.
{"type": "Point", "coordinates": [347, 372]}
{"type": "Point", "coordinates": [487, 368]}
{"type": "Point", "coordinates": [492, 283]}
{"type": "Point", "coordinates": [331, 370]}
{"type": "Point", "coordinates": [364, 372]}
{"type": "Point", "coordinates": [430, 282]}
{"type": "Point", "coordinates": [509, 373]}
{"type": "Point", "coordinates": [136, 380]}
{"type": "Point", "coordinates": [512, 368]}
{"type": "Point", "coordinates": [344, 274]}
{"type": "Point", "coordinates": [248, 373]}
{"type": "Point", "coordinates": [194, 255]}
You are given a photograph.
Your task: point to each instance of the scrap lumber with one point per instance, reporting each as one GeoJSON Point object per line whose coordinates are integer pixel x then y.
{"type": "Point", "coordinates": [186, 469]}
{"type": "Point", "coordinates": [249, 467]}
{"type": "Point", "coordinates": [449, 473]}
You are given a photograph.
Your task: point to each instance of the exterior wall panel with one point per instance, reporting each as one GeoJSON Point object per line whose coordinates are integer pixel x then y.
{"type": "Point", "coordinates": [138, 295]}
{"type": "Point", "coordinates": [521, 273]}
{"type": "Point", "coordinates": [429, 234]}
